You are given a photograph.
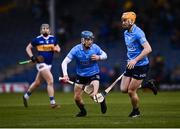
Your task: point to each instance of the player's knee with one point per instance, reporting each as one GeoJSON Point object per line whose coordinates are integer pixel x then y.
{"type": "Point", "coordinates": [50, 83]}
{"type": "Point", "coordinates": [77, 97]}
{"type": "Point", "coordinates": [131, 92]}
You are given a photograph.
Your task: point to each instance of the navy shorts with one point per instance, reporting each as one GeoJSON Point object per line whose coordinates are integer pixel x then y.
{"type": "Point", "coordinates": [87, 80]}
{"type": "Point", "coordinates": [139, 72]}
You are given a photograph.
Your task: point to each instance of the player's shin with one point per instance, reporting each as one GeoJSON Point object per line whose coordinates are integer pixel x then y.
{"type": "Point", "coordinates": [80, 105]}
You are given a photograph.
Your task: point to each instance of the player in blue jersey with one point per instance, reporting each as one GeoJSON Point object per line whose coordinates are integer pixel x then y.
{"type": "Point", "coordinates": [138, 49]}
{"type": "Point", "coordinates": [86, 54]}
{"type": "Point", "coordinates": [46, 45]}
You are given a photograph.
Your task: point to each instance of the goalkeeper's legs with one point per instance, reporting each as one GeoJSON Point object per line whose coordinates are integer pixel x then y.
{"type": "Point", "coordinates": [79, 101]}
{"type": "Point", "coordinates": [32, 87]}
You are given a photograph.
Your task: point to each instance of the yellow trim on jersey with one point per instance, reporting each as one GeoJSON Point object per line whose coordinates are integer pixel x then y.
{"type": "Point", "coordinates": [45, 47]}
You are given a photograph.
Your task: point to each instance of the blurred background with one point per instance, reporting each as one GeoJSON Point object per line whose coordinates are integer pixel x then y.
{"type": "Point", "coordinates": [20, 22]}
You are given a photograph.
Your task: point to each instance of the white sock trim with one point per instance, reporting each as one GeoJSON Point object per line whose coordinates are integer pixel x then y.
{"type": "Point", "coordinates": [26, 96]}
{"type": "Point", "coordinates": [52, 102]}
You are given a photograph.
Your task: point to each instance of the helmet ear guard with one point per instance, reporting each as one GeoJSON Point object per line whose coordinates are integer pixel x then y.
{"type": "Point", "coordinates": [82, 41]}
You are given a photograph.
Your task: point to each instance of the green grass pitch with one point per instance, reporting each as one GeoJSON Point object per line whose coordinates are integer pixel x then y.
{"type": "Point", "coordinates": [162, 110]}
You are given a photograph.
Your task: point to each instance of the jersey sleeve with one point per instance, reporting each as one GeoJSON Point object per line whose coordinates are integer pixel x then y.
{"type": "Point", "coordinates": [101, 53]}
{"type": "Point", "coordinates": [72, 53]}
{"type": "Point", "coordinates": [98, 49]}
{"type": "Point", "coordinates": [141, 37]}
{"type": "Point", "coordinates": [34, 42]}
{"type": "Point", "coordinates": [55, 41]}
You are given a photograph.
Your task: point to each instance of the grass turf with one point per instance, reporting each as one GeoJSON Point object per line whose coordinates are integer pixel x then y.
{"type": "Point", "coordinates": [162, 110]}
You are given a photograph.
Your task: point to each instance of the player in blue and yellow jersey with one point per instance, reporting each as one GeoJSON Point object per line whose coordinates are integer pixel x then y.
{"type": "Point", "coordinates": [138, 49]}
{"type": "Point", "coordinates": [86, 54]}
{"type": "Point", "coordinates": [46, 45]}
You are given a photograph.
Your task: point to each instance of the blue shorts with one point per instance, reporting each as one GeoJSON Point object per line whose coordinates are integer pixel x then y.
{"type": "Point", "coordinates": [139, 72]}
{"type": "Point", "coordinates": [87, 80]}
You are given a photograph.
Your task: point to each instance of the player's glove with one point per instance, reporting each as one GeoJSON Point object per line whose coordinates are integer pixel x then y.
{"type": "Point", "coordinates": [34, 59]}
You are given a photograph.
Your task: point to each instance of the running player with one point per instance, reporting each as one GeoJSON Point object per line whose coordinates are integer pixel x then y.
{"type": "Point", "coordinates": [138, 64]}
{"type": "Point", "coordinates": [46, 45]}
{"type": "Point", "coordinates": [86, 55]}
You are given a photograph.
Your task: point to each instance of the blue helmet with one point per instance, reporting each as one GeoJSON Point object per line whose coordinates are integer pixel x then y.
{"type": "Point", "coordinates": [87, 34]}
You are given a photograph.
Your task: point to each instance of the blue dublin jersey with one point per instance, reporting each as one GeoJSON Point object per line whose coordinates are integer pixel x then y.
{"type": "Point", "coordinates": [44, 46]}
{"type": "Point", "coordinates": [134, 41]}
{"type": "Point", "coordinates": [84, 65]}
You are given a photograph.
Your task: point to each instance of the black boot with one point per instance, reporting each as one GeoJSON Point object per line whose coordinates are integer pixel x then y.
{"type": "Point", "coordinates": [103, 106]}
{"type": "Point", "coordinates": [151, 84]}
{"type": "Point", "coordinates": [135, 113]}
{"type": "Point", "coordinates": [82, 112]}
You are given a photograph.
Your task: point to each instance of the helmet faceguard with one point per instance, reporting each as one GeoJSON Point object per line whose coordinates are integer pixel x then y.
{"type": "Point", "coordinates": [87, 39]}
{"type": "Point", "coordinates": [45, 30]}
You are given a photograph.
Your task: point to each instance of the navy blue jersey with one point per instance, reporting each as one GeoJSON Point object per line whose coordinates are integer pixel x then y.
{"type": "Point", "coordinates": [44, 46]}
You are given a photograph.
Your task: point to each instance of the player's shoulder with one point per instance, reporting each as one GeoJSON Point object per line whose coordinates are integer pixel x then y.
{"type": "Point", "coordinates": [77, 46]}
{"type": "Point", "coordinates": [138, 29]}
{"type": "Point", "coordinates": [95, 45]}
{"type": "Point", "coordinates": [51, 36]}
{"type": "Point", "coordinates": [39, 36]}
{"type": "Point", "coordinates": [125, 32]}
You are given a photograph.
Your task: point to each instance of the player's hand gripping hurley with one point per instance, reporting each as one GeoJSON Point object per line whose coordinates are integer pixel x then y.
{"type": "Point", "coordinates": [39, 60]}
{"type": "Point", "coordinates": [87, 89]}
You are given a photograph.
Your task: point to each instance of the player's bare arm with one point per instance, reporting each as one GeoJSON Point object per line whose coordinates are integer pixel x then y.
{"type": "Point", "coordinates": [29, 50]}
